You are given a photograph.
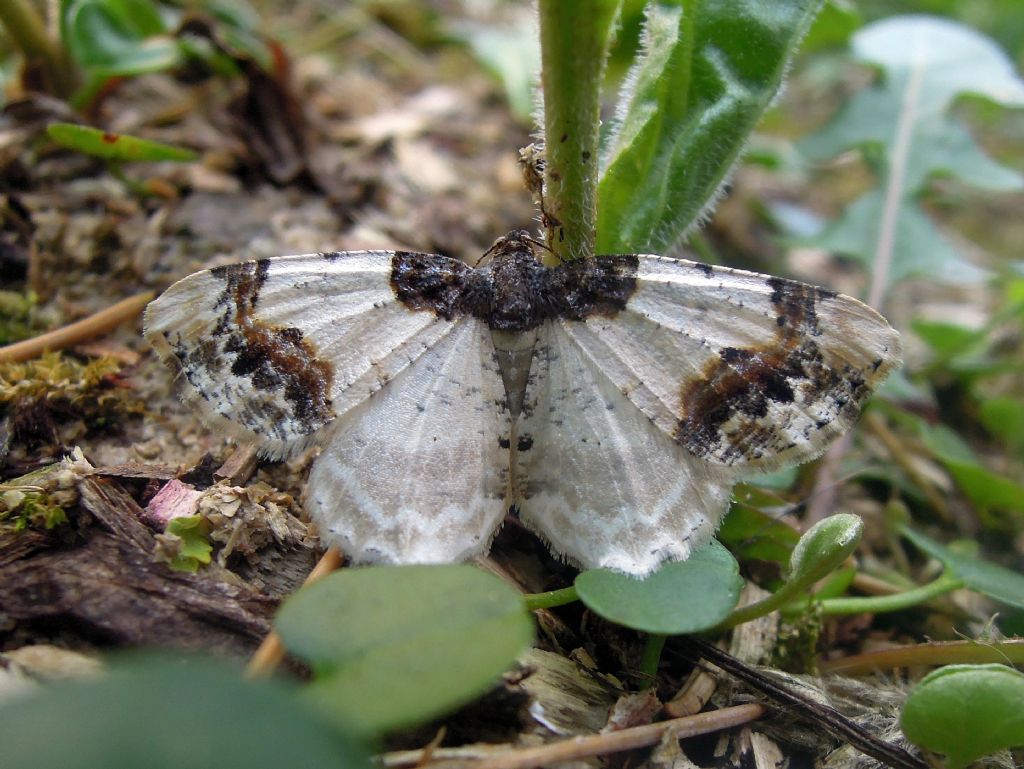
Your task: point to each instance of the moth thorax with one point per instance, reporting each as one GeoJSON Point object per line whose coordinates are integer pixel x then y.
{"type": "Point", "coordinates": [517, 278]}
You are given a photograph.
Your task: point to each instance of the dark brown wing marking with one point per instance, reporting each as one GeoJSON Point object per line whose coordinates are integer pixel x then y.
{"type": "Point", "coordinates": [598, 286]}
{"type": "Point", "coordinates": [274, 359]}
{"type": "Point", "coordinates": [724, 411]}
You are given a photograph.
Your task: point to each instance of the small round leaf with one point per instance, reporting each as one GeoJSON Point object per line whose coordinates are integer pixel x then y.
{"type": "Point", "coordinates": [394, 646]}
{"type": "Point", "coordinates": [823, 548]}
{"type": "Point", "coordinates": [966, 712]}
{"type": "Point", "coordinates": [164, 714]}
{"type": "Point", "coordinates": [680, 597]}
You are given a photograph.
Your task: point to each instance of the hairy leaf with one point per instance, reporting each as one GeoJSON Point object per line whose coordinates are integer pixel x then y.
{"type": "Point", "coordinates": [707, 71]}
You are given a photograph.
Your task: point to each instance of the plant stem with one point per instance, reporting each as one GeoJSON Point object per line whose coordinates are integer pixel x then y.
{"type": "Point", "coordinates": [550, 599]}
{"type": "Point", "coordinates": [574, 38]}
{"type": "Point", "coordinates": [27, 32]}
{"type": "Point", "coordinates": [885, 603]}
{"type": "Point", "coordinates": [784, 595]}
{"type": "Point", "coordinates": [652, 656]}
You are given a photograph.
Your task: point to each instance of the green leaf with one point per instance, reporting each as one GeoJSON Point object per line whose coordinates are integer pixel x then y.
{"type": "Point", "coordinates": [986, 490]}
{"type": "Point", "coordinates": [904, 126]}
{"type": "Point", "coordinates": [195, 548]}
{"type": "Point", "coordinates": [966, 712]}
{"type": "Point", "coordinates": [110, 146]}
{"type": "Point", "coordinates": [1004, 417]}
{"type": "Point", "coordinates": [946, 339]}
{"type": "Point", "coordinates": [117, 37]}
{"type": "Point", "coordinates": [918, 249]}
{"type": "Point", "coordinates": [164, 714]}
{"type": "Point", "coordinates": [838, 20]}
{"type": "Point", "coordinates": [395, 646]}
{"type": "Point", "coordinates": [680, 597]}
{"type": "Point", "coordinates": [707, 72]}
{"type": "Point", "coordinates": [993, 580]}
{"type": "Point", "coordinates": [752, 529]}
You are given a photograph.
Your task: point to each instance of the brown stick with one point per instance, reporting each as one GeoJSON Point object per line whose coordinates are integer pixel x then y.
{"type": "Point", "coordinates": [266, 658]}
{"type": "Point", "coordinates": [589, 745]}
{"type": "Point", "coordinates": [83, 330]}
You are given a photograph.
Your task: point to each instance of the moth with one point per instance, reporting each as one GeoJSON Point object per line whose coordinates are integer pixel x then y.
{"type": "Point", "coordinates": [614, 401]}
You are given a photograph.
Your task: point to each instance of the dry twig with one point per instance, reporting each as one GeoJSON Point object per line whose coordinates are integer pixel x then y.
{"type": "Point", "coordinates": [83, 330]}
{"type": "Point", "coordinates": [266, 658]}
{"type": "Point", "coordinates": [579, 747]}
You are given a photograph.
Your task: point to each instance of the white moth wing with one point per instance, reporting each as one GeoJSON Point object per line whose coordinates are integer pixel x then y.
{"type": "Point", "coordinates": [418, 472]}
{"type": "Point", "coordinates": [739, 368]}
{"type": "Point", "coordinates": [274, 350]}
{"type": "Point", "coordinates": [595, 478]}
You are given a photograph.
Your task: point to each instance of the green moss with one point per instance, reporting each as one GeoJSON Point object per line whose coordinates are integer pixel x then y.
{"type": "Point", "coordinates": [21, 510]}
{"type": "Point", "coordinates": [18, 316]}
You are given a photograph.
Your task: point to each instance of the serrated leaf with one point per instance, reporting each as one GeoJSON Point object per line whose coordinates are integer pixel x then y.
{"type": "Point", "coordinates": [164, 714]}
{"type": "Point", "coordinates": [903, 123]}
{"type": "Point", "coordinates": [395, 646]}
{"type": "Point", "coordinates": [966, 712]}
{"type": "Point", "coordinates": [985, 577]}
{"type": "Point", "coordinates": [111, 146]}
{"type": "Point", "coordinates": [680, 597]}
{"type": "Point", "coordinates": [706, 74]}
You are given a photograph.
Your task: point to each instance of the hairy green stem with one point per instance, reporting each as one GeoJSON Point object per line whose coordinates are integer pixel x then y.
{"type": "Point", "coordinates": [574, 39]}
{"type": "Point", "coordinates": [550, 599]}
{"type": "Point", "coordinates": [28, 33]}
